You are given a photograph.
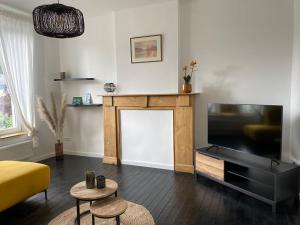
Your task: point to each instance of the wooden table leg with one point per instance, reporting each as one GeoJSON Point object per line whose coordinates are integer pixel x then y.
{"type": "Point", "coordinates": [118, 220]}
{"type": "Point", "coordinates": [78, 211]}
{"type": "Point", "coordinates": [93, 220]}
{"type": "Point", "coordinates": [46, 195]}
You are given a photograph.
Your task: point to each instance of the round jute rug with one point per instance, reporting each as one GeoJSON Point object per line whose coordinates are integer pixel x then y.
{"type": "Point", "coordinates": [134, 215]}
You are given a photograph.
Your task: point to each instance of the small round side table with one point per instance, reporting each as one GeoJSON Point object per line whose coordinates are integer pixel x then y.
{"type": "Point", "coordinates": [108, 208]}
{"type": "Point", "coordinates": [81, 193]}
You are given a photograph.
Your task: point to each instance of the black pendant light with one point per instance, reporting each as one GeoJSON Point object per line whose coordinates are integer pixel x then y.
{"type": "Point", "coordinates": [58, 21]}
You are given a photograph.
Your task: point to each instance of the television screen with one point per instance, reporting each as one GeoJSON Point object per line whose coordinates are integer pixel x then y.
{"type": "Point", "coordinates": [255, 129]}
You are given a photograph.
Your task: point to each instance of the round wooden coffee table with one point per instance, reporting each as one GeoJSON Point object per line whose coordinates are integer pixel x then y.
{"type": "Point", "coordinates": [81, 193]}
{"type": "Point", "coordinates": [108, 208]}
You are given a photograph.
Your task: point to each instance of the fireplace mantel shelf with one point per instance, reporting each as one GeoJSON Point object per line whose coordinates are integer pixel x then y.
{"type": "Point", "coordinates": [152, 94]}
{"type": "Point", "coordinates": [182, 105]}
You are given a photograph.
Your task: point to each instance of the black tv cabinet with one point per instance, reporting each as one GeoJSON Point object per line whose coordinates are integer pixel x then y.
{"type": "Point", "coordinates": [252, 175]}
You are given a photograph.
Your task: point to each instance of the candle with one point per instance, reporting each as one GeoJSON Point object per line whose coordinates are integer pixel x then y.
{"type": "Point", "coordinates": [90, 179]}
{"type": "Point", "coordinates": [100, 182]}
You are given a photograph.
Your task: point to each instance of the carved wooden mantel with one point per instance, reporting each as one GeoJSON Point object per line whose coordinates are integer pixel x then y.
{"type": "Point", "coordinates": [183, 108]}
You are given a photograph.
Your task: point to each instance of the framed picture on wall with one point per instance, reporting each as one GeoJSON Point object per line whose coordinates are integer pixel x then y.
{"type": "Point", "coordinates": [146, 49]}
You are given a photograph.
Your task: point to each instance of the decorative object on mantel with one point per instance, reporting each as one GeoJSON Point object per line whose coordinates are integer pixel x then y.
{"type": "Point", "coordinates": [146, 49]}
{"type": "Point", "coordinates": [55, 121]}
{"type": "Point", "coordinates": [188, 74]}
{"type": "Point", "coordinates": [58, 21]}
{"type": "Point", "coordinates": [77, 101]}
{"type": "Point", "coordinates": [100, 181]}
{"type": "Point", "coordinates": [87, 99]}
{"type": "Point", "coordinates": [110, 87]}
{"type": "Point", "coordinates": [90, 179]}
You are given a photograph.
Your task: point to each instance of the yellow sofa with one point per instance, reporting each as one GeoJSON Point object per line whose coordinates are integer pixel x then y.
{"type": "Point", "coordinates": [21, 180]}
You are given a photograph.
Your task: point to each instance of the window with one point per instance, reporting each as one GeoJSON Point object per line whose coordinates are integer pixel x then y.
{"type": "Point", "coordinates": [8, 121]}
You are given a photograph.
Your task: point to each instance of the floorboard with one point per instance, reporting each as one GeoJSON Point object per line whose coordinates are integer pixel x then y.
{"type": "Point", "coordinates": [172, 198]}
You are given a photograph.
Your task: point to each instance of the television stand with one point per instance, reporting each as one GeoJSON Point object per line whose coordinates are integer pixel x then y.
{"type": "Point", "coordinates": [212, 147]}
{"type": "Point", "coordinates": [249, 174]}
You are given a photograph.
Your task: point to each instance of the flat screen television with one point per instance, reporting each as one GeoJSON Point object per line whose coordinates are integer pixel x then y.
{"type": "Point", "coordinates": [255, 129]}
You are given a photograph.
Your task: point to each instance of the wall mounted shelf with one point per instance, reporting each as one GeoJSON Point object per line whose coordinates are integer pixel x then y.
{"type": "Point", "coordinates": [74, 79]}
{"type": "Point", "coordinates": [85, 106]}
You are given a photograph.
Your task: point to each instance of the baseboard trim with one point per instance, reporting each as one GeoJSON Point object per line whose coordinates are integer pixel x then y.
{"type": "Point", "coordinates": [42, 157]}
{"type": "Point", "coordinates": [33, 158]}
{"type": "Point", "coordinates": [87, 154]}
{"type": "Point", "coordinates": [148, 164]}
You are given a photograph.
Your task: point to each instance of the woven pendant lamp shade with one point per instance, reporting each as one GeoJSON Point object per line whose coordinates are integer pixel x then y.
{"type": "Point", "coordinates": [58, 21]}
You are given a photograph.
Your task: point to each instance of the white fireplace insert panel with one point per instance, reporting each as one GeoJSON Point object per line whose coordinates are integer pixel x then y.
{"type": "Point", "coordinates": [147, 138]}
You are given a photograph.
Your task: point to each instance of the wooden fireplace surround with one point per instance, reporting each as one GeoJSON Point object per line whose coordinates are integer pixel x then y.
{"type": "Point", "coordinates": [183, 124]}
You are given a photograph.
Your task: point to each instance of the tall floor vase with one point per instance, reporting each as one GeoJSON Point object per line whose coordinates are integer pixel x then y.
{"type": "Point", "coordinates": [59, 151]}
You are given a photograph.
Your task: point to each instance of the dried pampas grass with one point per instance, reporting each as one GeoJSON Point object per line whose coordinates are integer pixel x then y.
{"type": "Point", "coordinates": [55, 121]}
{"type": "Point", "coordinates": [54, 110]}
{"type": "Point", "coordinates": [45, 115]}
{"type": "Point", "coordinates": [63, 110]}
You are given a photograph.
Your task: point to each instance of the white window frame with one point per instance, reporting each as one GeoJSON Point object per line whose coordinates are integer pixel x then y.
{"type": "Point", "coordinates": [17, 128]}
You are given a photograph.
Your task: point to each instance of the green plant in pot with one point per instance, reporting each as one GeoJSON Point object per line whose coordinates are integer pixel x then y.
{"type": "Point", "coordinates": [188, 74]}
{"type": "Point", "coordinates": [55, 121]}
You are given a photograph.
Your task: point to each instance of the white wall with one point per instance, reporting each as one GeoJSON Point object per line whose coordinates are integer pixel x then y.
{"type": "Point", "coordinates": [48, 68]}
{"type": "Point", "coordinates": [91, 55]}
{"type": "Point", "coordinates": [95, 53]}
{"type": "Point", "coordinates": [295, 97]}
{"type": "Point", "coordinates": [153, 77]}
{"type": "Point", "coordinates": [244, 52]}
{"type": "Point", "coordinates": [156, 77]}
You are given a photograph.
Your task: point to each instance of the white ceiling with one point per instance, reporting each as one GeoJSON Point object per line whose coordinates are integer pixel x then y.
{"type": "Point", "coordinates": [90, 7]}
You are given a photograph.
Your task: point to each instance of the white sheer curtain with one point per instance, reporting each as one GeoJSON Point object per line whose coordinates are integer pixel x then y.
{"type": "Point", "coordinates": [16, 60]}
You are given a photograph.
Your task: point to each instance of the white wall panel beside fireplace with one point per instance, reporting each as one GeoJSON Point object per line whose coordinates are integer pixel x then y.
{"type": "Point", "coordinates": [147, 138]}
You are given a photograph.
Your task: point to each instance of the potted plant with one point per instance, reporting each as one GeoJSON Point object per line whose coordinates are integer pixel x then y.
{"type": "Point", "coordinates": [188, 74]}
{"type": "Point", "coordinates": [55, 121]}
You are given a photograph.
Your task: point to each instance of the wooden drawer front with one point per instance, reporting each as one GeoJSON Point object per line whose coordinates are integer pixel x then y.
{"type": "Point", "coordinates": [211, 171]}
{"type": "Point", "coordinates": [209, 161]}
{"type": "Point", "coordinates": [156, 101]}
{"type": "Point", "coordinates": [183, 100]}
{"type": "Point", "coordinates": [139, 101]}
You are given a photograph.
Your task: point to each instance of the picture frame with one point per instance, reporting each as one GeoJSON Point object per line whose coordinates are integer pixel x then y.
{"type": "Point", "coordinates": [145, 49]}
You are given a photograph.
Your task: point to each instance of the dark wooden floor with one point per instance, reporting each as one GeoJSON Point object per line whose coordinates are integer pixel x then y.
{"type": "Point", "coordinates": [172, 198]}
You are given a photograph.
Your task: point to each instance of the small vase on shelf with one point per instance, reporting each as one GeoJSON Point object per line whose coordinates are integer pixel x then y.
{"type": "Point", "coordinates": [186, 88]}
